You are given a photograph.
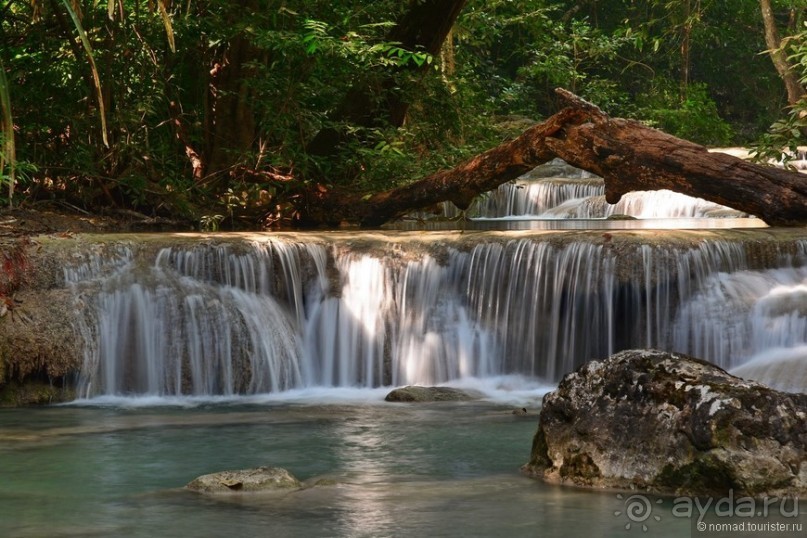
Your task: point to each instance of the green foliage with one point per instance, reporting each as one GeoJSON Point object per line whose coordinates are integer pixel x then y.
{"type": "Point", "coordinates": [285, 68]}
{"type": "Point", "coordinates": [57, 111]}
{"type": "Point", "coordinates": [695, 118]}
{"type": "Point", "coordinates": [210, 223]}
{"type": "Point", "coordinates": [24, 174]}
{"type": "Point", "coordinates": [781, 143]}
{"type": "Point", "coordinates": [359, 48]}
{"type": "Point", "coordinates": [678, 43]}
{"type": "Point", "coordinates": [578, 49]}
{"type": "Point", "coordinates": [782, 140]}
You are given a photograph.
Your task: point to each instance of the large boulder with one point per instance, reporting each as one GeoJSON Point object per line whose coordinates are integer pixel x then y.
{"type": "Point", "coordinates": [414, 393]}
{"type": "Point", "coordinates": [670, 423]}
{"type": "Point", "coordinates": [258, 480]}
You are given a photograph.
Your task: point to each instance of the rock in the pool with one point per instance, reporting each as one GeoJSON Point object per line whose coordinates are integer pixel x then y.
{"type": "Point", "coordinates": [670, 423]}
{"type": "Point", "coordinates": [415, 393]}
{"type": "Point", "coordinates": [261, 479]}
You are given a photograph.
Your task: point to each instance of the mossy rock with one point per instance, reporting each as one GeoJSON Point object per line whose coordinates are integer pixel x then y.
{"type": "Point", "coordinates": [415, 393]}
{"type": "Point", "coordinates": [669, 423]}
{"type": "Point", "coordinates": [257, 480]}
{"type": "Point", "coordinates": [31, 393]}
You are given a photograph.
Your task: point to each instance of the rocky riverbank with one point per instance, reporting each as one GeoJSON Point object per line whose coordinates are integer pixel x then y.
{"type": "Point", "coordinates": [38, 347]}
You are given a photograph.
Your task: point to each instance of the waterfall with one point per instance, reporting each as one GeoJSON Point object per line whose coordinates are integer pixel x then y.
{"type": "Point", "coordinates": [559, 191]}
{"type": "Point", "coordinates": [753, 316]}
{"type": "Point", "coordinates": [237, 317]}
{"type": "Point", "coordinates": [200, 321]}
{"type": "Point", "coordinates": [535, 197]}
{"type": "Point", "coordinates": [662, 204]}
{"type": "Point", "coordinates": [564, 198]}
{"type": "Point", "coordinates": [549, 306]}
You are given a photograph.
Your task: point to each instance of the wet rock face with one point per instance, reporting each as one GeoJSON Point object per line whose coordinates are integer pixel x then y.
{"type": "Point", "coordinates": [258, 480]}
{"type": "Point", "coordinates": [430, 394]}
{"type": "Point", "coordinates": [670, 423]}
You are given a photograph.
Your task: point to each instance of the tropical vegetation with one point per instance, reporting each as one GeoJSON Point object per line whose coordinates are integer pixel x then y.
{"type": "Point", "coordinates": [225, 112]}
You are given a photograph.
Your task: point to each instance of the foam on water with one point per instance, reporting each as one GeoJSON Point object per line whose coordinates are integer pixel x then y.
{"type": "Point", "coordinates": [782, 368]}
{"type": "Point", "coordinates": [512, 390]}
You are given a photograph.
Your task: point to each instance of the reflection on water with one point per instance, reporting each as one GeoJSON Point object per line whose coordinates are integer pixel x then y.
{"type": "Point", "coordinates": [397, 470]}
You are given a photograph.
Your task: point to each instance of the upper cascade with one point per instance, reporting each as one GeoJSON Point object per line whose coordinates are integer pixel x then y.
{"type": "Point", "coordinates": [557, 190]}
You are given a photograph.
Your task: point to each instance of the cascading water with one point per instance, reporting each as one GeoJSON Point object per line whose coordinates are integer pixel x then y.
{"type": "Point", "coordinates": [520, 199]}
{"type": "Point", "coordinates": [757, 323]}
{"type": "Point", "coordinates": [271, 315]}
{"type": "Point", "coordinates": [200, 321]}
{"type": "Point", "coordinates": [559, 191]}
{"type": "Point", "coordinates": [661, 204]}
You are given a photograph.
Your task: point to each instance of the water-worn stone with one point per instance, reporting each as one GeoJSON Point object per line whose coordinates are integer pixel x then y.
{"type": "Point", "coordinates": [258, 480]}
{"type": "Point", "coordinates": [670, 423]}
{"type": "Point", "coordinates": [415, 393]}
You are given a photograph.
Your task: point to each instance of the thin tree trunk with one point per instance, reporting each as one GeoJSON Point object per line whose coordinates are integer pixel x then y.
{"type": "Point", "coordinates": [795, 91]}
{"type": "Point", "coordinates": [230, 115]}
{"type": "Point", "coordinates": [233, 129]}
{"type": "Point", "coordinates": [685, 52]}
{"type": "Point", "coordinates": [196, 160]}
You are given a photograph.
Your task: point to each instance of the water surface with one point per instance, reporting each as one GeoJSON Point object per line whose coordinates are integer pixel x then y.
{"type": "Point", "coordinates": [448, 469]}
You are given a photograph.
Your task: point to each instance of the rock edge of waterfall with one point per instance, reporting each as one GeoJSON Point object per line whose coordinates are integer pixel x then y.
{"type": "Point", "coordinates": [671, 424]}
{"type": "Point", "coordinates": [55, 290]}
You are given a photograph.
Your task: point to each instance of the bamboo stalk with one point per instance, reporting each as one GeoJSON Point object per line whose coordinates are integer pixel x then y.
{"type": "Point", "coordinates": [9, 150]}
{"type": "Point", "coordinates": [169, 28]}
{"type": "Point", "coordinates": [96, 77]}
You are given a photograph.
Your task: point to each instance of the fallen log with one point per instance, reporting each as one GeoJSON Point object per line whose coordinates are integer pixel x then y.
{"type": "Point", "coordinates": [630, 156]}
{"type": "Point", "coordinates": [627, 154]}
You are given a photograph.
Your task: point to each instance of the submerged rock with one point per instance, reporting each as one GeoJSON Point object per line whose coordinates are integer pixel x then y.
{"type": "Point", "coordinates": [414, 393]}
{"type": "Point", "coordinates": [258, 480]}
{"type": "Point", "coordinates": [33, 392]}
{"type": "Point", "coordinates": [671, 423]}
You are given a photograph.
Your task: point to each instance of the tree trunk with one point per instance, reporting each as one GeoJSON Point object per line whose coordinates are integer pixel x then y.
{"type": "Point", "coordinates": [233, 120]}
{"type": "Point", "coordinates": [424, 27]}
{"type": "Point", "coordinates": [231, 126]}
{"type": "Point", "coordinates": [630, 157]}
{"type": "Point", "coordinates": [795, 91]}
{"type": "Point", "coordinates": [627, 154]}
